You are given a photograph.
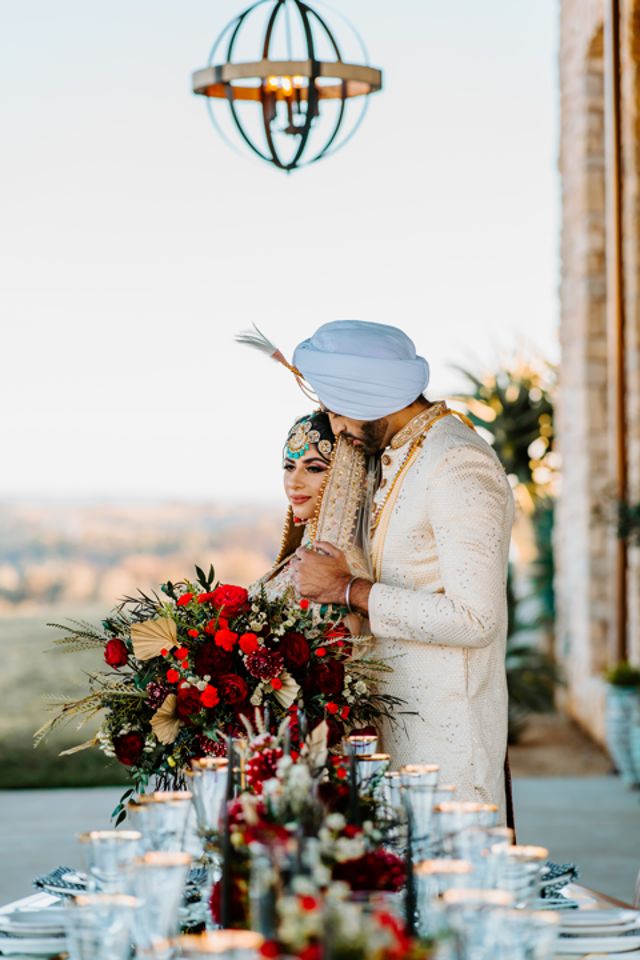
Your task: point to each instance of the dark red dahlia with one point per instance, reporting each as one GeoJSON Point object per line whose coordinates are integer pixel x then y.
{"type": "Point", "coordinates": [328, 676]}
{"type": "Point", "coordinates": [295, 650]}
{"type": "Point", "coordinates": [264, 664]}
{"type": "Point", "coordinates": [377, 870]}
{"type": "Point", "coordinates": [188, 702]}
{"type": "Point", "coordinates": [232, 688]}
{"type": "Point", "coordinates": [211, 660]}
{"type": "Point", "coordinates": [128, 748]}
{"type": "Point", "coordinates": [156, 694]}
{"type": "Point", "coordinates": [209, 747]}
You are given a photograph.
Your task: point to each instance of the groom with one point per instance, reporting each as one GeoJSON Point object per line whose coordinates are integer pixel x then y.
{"type": "Point", "coordinates": [441, 524]}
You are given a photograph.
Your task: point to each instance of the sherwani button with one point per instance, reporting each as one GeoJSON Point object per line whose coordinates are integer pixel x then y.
{"type": "Point", "coordinates": [386, 459]}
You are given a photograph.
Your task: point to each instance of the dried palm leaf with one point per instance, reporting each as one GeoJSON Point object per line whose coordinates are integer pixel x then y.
{"type": "Point", "coordinates": [81, 746]}
{"type": "Point", "coordinates": [256, 339]}
{"type": "Point", "coordinates": [288, 692]}
{"type": "Point", "coordinates": [150, 637]}
{"type": "Point", "coordinates": [316, 744]}
{"type": "Point", "coordinates": [165, 722]}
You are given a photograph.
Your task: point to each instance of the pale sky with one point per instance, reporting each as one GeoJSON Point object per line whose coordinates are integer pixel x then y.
{"type": "Point", "coordinates": [134, 243]}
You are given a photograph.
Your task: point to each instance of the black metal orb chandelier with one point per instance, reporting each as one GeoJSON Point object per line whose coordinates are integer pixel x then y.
{"type": "Point", "coordinates": [291, 103]}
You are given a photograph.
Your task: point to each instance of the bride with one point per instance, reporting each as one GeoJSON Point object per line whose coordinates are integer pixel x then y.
{"type": "Point", "coordinates": [327, 483]}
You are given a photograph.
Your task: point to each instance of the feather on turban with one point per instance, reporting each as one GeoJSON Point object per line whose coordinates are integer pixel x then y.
{"type": "Point", "coordinates": [362, 370]}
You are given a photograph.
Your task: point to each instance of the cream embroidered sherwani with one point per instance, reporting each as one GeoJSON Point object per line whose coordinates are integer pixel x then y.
{"type": "Point", "coordinates": [439, 607]}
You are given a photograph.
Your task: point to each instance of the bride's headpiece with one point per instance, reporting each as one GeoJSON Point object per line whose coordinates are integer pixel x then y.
{"type": "Point", "coordinates": [256, 339]}
{"type": "Point", "coordinates": [311, 430]}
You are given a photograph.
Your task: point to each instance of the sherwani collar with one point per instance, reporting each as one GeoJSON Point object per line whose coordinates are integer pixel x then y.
{"type": "Point", "coordinates": [417, 425]}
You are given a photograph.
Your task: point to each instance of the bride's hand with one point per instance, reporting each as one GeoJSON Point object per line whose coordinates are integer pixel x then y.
{"type": "Point", "coordinates": [321, 573]}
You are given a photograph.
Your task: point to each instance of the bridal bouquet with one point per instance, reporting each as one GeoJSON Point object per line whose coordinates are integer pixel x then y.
{"type": "Point", "coordinates": [186, 666]}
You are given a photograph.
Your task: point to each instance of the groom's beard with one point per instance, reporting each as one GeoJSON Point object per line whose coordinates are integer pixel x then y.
{"type": "Point", "coordinates": [373, 436]}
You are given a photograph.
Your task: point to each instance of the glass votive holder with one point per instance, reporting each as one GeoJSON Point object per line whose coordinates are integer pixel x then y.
{"type": "Point", "coordinates": [161, 818]}
{"type": "Point", "coordinates": [207, 780]}
{"type": "Point", "coordinates": [99, 926]}
{"type": "Point", "coordinates": [157, 879]}
{"type": "Point", "coordinates": [472, 843]}
{"type": "Point", "coordinates": [361, 744]}
{"type": "Point", "coordinates": [231, 944]}
{"type": "Point", "coordinates": [419, 774]}
{"type": "Point", "coordinates": [106, 855]}
{"type": "Point", "coordinates": [370, 768]}
{"type": "Point", "coordinates": [519, 869]}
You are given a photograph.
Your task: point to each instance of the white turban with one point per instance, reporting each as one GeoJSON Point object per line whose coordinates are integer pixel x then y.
{"type": "Point", "coordinates": [362, 370]}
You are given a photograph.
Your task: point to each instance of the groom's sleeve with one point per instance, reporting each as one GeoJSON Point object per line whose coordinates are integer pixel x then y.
{"type": "Point", "coordinates": [470, 510]}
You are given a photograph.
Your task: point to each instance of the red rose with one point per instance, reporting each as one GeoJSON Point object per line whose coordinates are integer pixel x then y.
{"type": "Point", "coordinates": [192, 633]}
{"type": "Point", "coordinates": [182, 653]}
{"type": "Point", "coordinates": [209, 696]}
{"type": "Point", "coordinates": [332, 707]}
{"type": "Point", "coordinates": [304, 604]}
{"type": "Point", "coordinates": [116, 653]}
{"type": "Point", "coordinates": [335, 731]}
{"type": "Point", "coordinates": [229, 599]}
{"type": "Point", "coordinates": [204, 597]}
{"type": "Point", "coordinates": [249, 643]}
{"type": "Point", "coordinates": [328, 676]}
{"type": "Point", "coordinates": [211, 661]}
{"type": "Point", "coordinates": [128, 748]}
{"type": "Point", "coordinates": [184, 599]}
{"type": "Point", "coordinates": [226, 639]}
{"type": "Point", "coordinates": [188, 702]}
{"type": "Point", "coordinates": [295, 650]}
{"type": "Point", "coordinates": [232, 688]}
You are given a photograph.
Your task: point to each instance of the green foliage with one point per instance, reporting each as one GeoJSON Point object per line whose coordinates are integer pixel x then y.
{"type": "Point", "coordinates": [628, 522]}
{"type": "Point", "coordinates": [623, 675]}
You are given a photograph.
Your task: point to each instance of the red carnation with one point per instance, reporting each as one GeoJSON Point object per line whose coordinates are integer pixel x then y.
{"type": "Point", "coordinates": [128, 748]}
{"type": "Point", "coordinates": [232, 688]}
{"type": "Point", "coordinates": [192, 633]}
{"type": "Point", "coordinates": [116, 653]}
{"type": "Point", "coordinates": [295, 650]}
{"type": "Point", "coordinates": [332, 707]}
{"type": "Point", "coordinates": [328, 676]}
{"type": "Point", "coordinates": [211, 661]}
{"type": "Point", "coordinates": [184, 599]}
{"type": "Point", "coordinates": [172, 675]}
{"type": "Point", "coordinates": [181, 653]}
{"type": "Point", "coordinates": [229, 599]}
{"type": "Point", "coordinates": [249, 643]}
{"type": "Point", "coordinates": [209, 697]}
{"type": "Point", "coordinates": [304, 604]}
{"type": "Point", "coordinates": [226, 639]}
{"type": "Point", "coordinates": [265, 664]}
{"type": "Point", "coordinates": [188, 702]}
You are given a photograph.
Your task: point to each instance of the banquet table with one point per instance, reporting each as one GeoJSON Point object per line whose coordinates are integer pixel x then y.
{"type": "Point", "coordinates": [586, 898]}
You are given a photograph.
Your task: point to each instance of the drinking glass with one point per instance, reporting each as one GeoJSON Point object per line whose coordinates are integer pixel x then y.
{"type": "Point", "coordinates": [480, 923]}
{"type": "Point", "coordinates": [453, 816]}
{"type": "Point", "coordinates": [432, 878]}
{"type": "Point", "coordinates": [418, 782]}
{"type": "Point", "coordinates": [483, 847]}
{"type": "Point", "coordinates": [231, 944]}
{"type": "Point", "coordinates": [98, 926]}
{"type": "Point", "coordinates": [370, 768]}
{"type": "Point", "coordinates": [519, 869]}
{"type": "Point", "coordinates": [161, 818]}
{"type": "Point", "coordinates": [106, 855]}
{"type": "Point", "coordinates": [157, 880]}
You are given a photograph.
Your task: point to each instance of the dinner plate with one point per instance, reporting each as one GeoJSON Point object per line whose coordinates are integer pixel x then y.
{"type": "Point", "coordinates": [39, 923]}
{"type": "Point", "coordinates": [610, 917]}
{"type": "Point", "coordinates": [578, 946]}
{"type": "Point", "coordinates": [40, 946]}
{"type": "Point", "coordinates": [599, 930]}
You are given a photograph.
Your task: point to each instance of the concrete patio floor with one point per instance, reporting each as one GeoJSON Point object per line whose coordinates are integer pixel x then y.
{"type": "Point", "coordinates": [591, 821]}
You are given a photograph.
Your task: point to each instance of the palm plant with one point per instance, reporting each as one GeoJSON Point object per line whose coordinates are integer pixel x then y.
{"type": "Point", "coordinates": [513, 408]}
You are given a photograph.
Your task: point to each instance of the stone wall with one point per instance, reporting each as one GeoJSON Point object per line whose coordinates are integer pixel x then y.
{"type": "Point", "coordinates": [585, 541]}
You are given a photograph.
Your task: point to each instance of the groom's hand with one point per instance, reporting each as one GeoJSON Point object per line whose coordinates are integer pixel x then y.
{"type": "Point", "coordinates": [321, 573]}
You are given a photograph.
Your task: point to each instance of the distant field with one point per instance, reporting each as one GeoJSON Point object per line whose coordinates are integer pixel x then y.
{"type": "Point", "coordinates": [31, 669]}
